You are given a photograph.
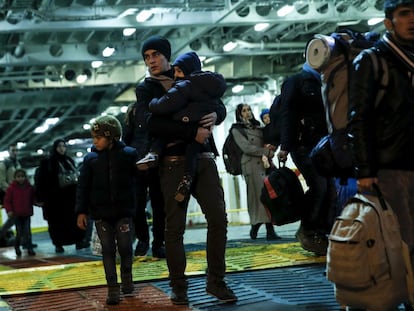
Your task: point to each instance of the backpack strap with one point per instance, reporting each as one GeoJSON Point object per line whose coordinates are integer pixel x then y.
{"type": "Point", "coordinates": [380, 69]}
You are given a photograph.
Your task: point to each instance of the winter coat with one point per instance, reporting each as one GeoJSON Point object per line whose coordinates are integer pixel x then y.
{"type": "Point", "coordinates": [58, 203]}
{"type": "Point", "coordinates": [253, 170]}
{"type": "Point", "coordinates": [382, 136]}
{"type": "Point", "coordinates": [303, 121]}
{"type": "Point", "coordinates": [136, 132]}
{"type": "Point", "coordinates": [19, 199]}
{"type": "Point", "coordinates": [107, 182]}
{"type": "Point", "coordinates": [191, 98]}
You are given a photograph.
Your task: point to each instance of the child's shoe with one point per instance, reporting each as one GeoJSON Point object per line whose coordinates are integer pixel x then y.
{"type": "Point", "coordinates": [150, 160]}
{"type": "Point", "coordinates": [113, 295]}
{"type": "Point", "coordinates": [31, 252]}
{"type": "Point", "coordinates": [18, 251]}
{"type": "Point", "coordinates": [127, 286]}
{"type": "Point", "coordinates": [183, 189]}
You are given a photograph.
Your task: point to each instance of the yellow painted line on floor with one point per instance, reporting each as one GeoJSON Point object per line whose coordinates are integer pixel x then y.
{"type": "Point", "coordinates": [85, 274]}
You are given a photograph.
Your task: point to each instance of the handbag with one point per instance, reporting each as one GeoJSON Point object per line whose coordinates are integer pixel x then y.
{"type": "Point", "coordinates": [282, 195]}
{"type": "Point", "coordinates": [332, 155]}
{"type": "Point", "coordinates": [67, 177]}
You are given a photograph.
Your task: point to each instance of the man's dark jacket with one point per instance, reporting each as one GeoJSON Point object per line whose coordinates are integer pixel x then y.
{"type": "Point", "coordinates": [383, 136]}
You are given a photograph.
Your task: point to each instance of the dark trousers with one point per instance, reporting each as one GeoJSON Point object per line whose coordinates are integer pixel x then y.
{"type": "Point", "coordinates": [23, 231]}
{"type": "Point", "coordinates": [209, 194]}
{"type": "Point", "coordinates": [319, 212]}
{"type": "Point", "coordinates": [148, 186]}
{"type": "Point", "coordinates": [115, 234]}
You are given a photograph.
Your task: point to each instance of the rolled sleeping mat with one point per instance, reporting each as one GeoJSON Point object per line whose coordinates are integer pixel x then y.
{"type": "Point", "coordinates": [319, 51]}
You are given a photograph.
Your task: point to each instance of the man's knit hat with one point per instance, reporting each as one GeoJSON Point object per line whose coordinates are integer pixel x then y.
{"type": "Point", "coordinates": [159, 44]}
{"type": "Point", "coordinates": [188, 62]}
{"type": "Point", "coordinates": [107, 126]}
{"type": "Point", "coordinates": [391, 5]}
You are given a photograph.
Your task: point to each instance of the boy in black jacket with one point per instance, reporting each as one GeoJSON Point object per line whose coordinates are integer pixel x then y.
{"type": "Point", "coordinates": [106, 194]}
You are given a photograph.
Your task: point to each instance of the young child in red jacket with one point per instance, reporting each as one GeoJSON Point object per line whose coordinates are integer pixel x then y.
{"type": "Point", "coordinates": [18, 202]}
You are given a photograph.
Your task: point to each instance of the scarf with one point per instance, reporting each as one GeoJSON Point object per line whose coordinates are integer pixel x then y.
{"type": "Point", "coordinates": [402, 53]}
{"type": "Point", "coordinates": [165, 79]}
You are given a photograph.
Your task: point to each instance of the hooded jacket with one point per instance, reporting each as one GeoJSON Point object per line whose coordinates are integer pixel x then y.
{"type": "Point", "coordinates": [191, 98]}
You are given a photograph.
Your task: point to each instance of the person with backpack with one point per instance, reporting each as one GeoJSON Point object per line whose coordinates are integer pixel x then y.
{"type": "Point", "coordinates": [302, 125]}
{"type": "Point", "coordinates": [248, 135]}
{"type": "Point", "coordinates": [382, 134]}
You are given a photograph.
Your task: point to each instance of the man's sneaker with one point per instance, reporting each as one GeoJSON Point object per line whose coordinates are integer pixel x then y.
{"type": "Point", "coordinates": [141, 248]}
{"type": "Point", "coordinates": [312, 241]}
{"type": "Point", "coordinates": [150, 160]}
{"type": "Point", "coordinates": [179, 296]}
{"type": "Point", "coordinates": [221, 292]}
{"type": "Point", "coordinates": [158, 252]}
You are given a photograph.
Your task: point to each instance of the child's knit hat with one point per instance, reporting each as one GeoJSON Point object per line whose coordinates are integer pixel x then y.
{"type": "Point", "coordinates": [107, 126]}
{"type": "Point", "coordinates": [188, 63]}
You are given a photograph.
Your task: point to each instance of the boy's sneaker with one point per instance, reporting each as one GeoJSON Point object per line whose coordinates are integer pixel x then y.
{"type": "Point", "coordinates": [221, 292]}
{"type": "Point", "coordinates": [159, 252]}
{"type": "Point", "coordinates": [179, 296]}
{"type": "Point", "coordinates": [150, 160]}
{"type": "Point", "coordinates": [31, 252]}
{"type": "Point", "coordinates": [183, 189]}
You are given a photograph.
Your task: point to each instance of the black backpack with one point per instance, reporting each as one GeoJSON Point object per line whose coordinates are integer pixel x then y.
{"type": "Point", "coordinates": [232, 153]}
{"type": "Point", "coordinates": [283, 196]}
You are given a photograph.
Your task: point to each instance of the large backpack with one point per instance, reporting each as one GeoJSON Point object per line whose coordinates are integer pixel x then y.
{"type": "Point", "coordinates": [282, 195]}
{"type": "Point", "coordinates": [367, 260]}
{"type": "Point", "coordinates": [333, 56]}
{"type": "Point", "coordinates": [232, 153]}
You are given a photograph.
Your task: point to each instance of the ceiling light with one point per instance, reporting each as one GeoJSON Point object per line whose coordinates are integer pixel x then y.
{"type": "Point", "coordinates": [51, 121]}
{"type": "Point", "coordinates": [237, 88]}
{"type": "Point", "coordinates": [79, 154]}
{"type": "Point", "coordinates": [41, 129]}
{"type": "Point", "coordinates": [86, 126]}
{"type": "Point", "coordinates": [143, 16]}
{"type": "Point", "coordinates": [108, 51]}
{"type": "Point", "coordinates": [375, 20]}
{"type": "Point", "coordinates": [349, 23]}
{"type": "Point", "coordinates": [229, 46]}
{"type": "Point", "coordinates": [39, 151]}
{"type": "Point", "coordinates": [46, 125]}
{"type": "Point", "coordinates": [261, 26]}
{"type": "Point", "coordinates": [128, 32]}
{"type": "Point", "coordinates": [127, 12]}
{"type": "Point", "coordinates": [285, 10]}
{"type": "Point", "coordinates": [82, 77]}
{"type": "Point", "coordinates": [96, 63]}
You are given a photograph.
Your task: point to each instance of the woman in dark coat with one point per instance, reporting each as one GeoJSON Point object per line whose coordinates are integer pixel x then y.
{"type": "Point", "coordinates": [58, 202]}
